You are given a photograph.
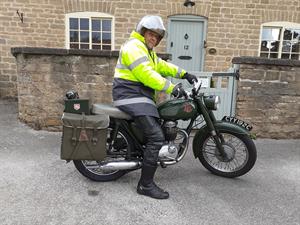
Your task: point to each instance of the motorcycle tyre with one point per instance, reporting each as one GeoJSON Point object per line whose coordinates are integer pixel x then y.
{"type": "Point", "coordinates": [105, 177]}
{"type": "Point", "coordinates": [250, 163]}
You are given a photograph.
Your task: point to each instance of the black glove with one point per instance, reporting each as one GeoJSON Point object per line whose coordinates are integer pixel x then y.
{"type": "Point", "coordinates": [178, 91]}
{"type": "Point", "coordinates": [190, 78]}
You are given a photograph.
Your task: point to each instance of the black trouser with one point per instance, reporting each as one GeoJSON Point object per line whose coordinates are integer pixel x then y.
{"type": "Point", "coordinates": [154, 138]}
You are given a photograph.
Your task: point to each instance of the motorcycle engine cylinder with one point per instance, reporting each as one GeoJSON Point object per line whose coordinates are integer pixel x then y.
{"type": "Point", "coordinates": [170, 130]}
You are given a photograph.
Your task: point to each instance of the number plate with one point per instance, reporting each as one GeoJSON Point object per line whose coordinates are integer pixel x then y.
{"type": "Point", "coordinates": [237, 121]}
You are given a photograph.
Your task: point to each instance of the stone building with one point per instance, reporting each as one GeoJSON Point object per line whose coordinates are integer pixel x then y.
{"type": "Point", "coordinates": [204, 36]}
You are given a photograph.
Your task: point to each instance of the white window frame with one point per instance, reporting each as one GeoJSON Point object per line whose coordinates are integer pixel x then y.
{"type": "Point", "coordinates": [89, 15]}
{"type": "Point", "coordinates": [282, 25]}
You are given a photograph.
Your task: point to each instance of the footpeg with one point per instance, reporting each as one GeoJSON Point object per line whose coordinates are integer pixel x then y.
{"type": "Point", "coordinates": [162, 164]}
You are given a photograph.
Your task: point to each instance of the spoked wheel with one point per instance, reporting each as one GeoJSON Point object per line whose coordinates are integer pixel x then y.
{"type": "Point", "coordinates": [117, 152]}
{"type": "Point", "coordinates": [240, 155]}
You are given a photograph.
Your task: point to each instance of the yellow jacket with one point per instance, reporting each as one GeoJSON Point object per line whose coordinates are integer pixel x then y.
{"type": "Point", "coordinates": [138, 74]}
{"type": "Point", "coordinates": [137, 63]}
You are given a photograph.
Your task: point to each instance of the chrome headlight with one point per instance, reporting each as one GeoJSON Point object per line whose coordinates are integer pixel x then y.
{"type": "Point", "coordinates": [212, 102]}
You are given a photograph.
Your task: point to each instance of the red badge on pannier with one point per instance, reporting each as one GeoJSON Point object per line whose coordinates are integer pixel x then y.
{"type": "Point", "coordinates": [76, 106]}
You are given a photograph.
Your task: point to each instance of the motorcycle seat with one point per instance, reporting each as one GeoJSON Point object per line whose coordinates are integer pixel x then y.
{"type": "Point", "coordinates": [110, 110]}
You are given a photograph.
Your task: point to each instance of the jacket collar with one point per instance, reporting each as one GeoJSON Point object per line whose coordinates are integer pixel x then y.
{"type": "Point", "coordinates": [138, 36]}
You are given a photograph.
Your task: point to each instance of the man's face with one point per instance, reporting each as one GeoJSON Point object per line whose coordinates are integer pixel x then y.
{"type": "Point", "coordinates": [151, 38]}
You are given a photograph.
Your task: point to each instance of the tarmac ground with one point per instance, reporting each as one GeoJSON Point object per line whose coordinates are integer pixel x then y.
{"type": "Point", "coordinates": [37, 187]}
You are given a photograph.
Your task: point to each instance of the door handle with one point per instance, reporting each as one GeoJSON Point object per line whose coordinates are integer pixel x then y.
{"type": "Point", "coordinates": [171, 44]}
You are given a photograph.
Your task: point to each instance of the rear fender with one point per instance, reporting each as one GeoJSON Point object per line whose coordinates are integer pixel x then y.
{"type": "Point", "coordinates": [220, 126]}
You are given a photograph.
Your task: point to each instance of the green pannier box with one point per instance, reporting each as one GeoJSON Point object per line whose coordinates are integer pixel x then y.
{"type": "Point", "coordinates": [84, 136]}
{"type": "Point", "coordinates": [77, 106]}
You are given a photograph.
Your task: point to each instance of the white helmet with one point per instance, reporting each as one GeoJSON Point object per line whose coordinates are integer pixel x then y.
{"type": "Point", "coordinates": [153, 23]}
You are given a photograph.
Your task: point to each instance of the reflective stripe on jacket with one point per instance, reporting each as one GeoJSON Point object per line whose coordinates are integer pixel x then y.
{"type": "Point", "coordinates": [138, 73]}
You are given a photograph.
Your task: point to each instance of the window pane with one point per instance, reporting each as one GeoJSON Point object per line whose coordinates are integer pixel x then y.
{"type": "Point", "coordinates": [106, 25]}
{"type": "Point", "coordinates": [274, 46]}
{"type": "Point", "coordinates": [96, 46]}
{"type": "Point", "coordinates": [73, 22]}
{"type": "Point", "coordinates": [264, 46]}
{"type": "Point", "coordinates": [96, 25]}
{"type": "Point", "coordinates": [84, 24]}
{"type": "Point", "coordinates": [106, 38]}
{"type": "Point", "coordinates": [296, 34]}
{"type": "Point", "coordinates": [106, 47]}
{"type": "Point", "coordinates": [286, 46]}
{"type": "Point", "coordinates": [296, 47]}
{"type": "Point", "coordinates": [270, 33]}
{"type": "Point", "coordinates": [264, 55]}
{"type": "Point", "coordinates": [84, 46]}
{"type": "Point", "coordinates": [285, 56]}
{"type": "Point", "coordinates": [295, 56]}
{"type": "Point", "coordinates": [74, 46]}
{"type": "Point", "coordinates": [84, 36]}
{"type": "Point", "coordinates": [96, 38]}
{"type": "Point", "coordinates": [288, 34]}
{"type": "Point", "coordinates": [73, 36]}
{"type": "Point", "coordinates": [273, 55]}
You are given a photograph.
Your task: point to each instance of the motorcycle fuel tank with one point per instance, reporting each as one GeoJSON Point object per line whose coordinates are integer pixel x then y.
{"type": "Point", "coordinates": [177, 109]}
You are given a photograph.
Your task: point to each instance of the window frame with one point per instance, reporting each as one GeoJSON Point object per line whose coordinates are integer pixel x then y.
{"type": "Point", "coordinates": [90, 16]}
{"type": "Point", "coordinates": [282, 25]}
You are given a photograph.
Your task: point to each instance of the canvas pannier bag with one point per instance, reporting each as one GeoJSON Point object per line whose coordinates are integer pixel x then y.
{"type": "Point", "coordinates": [84, 136]}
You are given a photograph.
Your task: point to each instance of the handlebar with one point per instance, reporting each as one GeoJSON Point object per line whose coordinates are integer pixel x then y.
{"type": "Point", "coordinates": [194, 91]}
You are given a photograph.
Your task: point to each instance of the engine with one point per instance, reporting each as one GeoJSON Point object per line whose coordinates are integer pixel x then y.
{"type": "Point", "coordinates": [169, 151]}
{"type": "Point", "coordinates": [170, 130]}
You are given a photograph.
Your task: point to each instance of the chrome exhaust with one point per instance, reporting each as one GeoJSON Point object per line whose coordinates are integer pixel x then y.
{"type": "Point", "coordinates": [120, 165]}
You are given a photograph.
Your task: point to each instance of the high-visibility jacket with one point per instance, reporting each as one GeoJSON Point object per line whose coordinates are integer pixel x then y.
{"type": "Point", "coordinates": [138, 74]}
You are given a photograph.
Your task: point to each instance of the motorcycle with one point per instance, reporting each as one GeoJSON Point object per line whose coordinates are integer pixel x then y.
{"type": "Point", "coordinates": [224, 147]}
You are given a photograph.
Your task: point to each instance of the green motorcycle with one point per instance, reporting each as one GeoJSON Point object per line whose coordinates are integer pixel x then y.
{"type": "Point", "coordinates": [224, 147]}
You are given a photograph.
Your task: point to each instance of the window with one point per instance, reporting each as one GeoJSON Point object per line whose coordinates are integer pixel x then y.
{"type": "Point", "coordinates": [88, 30]}
{"type": "Point", "coordinates": [280, 40]}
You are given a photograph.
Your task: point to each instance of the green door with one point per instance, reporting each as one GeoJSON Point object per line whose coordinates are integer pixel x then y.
{"type": "Point", "coordinates": [186, 37]}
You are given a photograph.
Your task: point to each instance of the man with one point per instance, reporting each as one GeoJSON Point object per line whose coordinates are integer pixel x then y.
{"type": "Point", "coordinates": [138, 74]}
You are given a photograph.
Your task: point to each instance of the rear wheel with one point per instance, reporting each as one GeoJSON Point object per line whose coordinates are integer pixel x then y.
{"type": "Point", "coordinates": [93, 170]}
{"type": "Point", "coordinates": [240, 155]}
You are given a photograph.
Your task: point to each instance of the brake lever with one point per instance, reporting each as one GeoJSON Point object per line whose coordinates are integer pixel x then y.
{"type": "Point", "coordinates": [185, 95]}
{"type": "Point", "coordinates": [199, 87]}
{"type": "Point", "coordinates": [196, 88]}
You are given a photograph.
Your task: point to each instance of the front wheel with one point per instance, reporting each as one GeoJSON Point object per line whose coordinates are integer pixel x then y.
{"type": "Point", "coordinates": [240, 155]}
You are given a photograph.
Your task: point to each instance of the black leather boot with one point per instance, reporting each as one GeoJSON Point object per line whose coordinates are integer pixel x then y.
{"type": "Point", "coordinates": [146, 185]}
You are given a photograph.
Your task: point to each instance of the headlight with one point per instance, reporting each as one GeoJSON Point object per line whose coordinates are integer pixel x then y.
{"type": "Point", "coordinates": [212, 102]}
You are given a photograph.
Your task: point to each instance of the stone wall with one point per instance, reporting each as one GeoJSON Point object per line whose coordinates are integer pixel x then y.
{"type": "Point", "coordinates": [233, 27]}
{"type": "Point", "coordinates": [45, 75]}
{"type": "Point", "coordinates": [269, 96]}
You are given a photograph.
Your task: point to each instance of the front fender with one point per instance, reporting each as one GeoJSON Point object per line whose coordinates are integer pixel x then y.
{"type": "Point", "coordinates": [201, 134]}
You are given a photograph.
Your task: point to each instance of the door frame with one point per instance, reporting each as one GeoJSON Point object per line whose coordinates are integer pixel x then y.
{"type": "Point", "coordinates": [188, 18]}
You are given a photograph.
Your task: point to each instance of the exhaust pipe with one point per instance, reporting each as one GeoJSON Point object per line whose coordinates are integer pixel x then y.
{"type": "Point", "coordinates": [121, 165]}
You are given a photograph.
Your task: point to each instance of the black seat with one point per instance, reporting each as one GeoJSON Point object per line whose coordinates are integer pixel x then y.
{"type": "Point", "coordinates": [110, 110]}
